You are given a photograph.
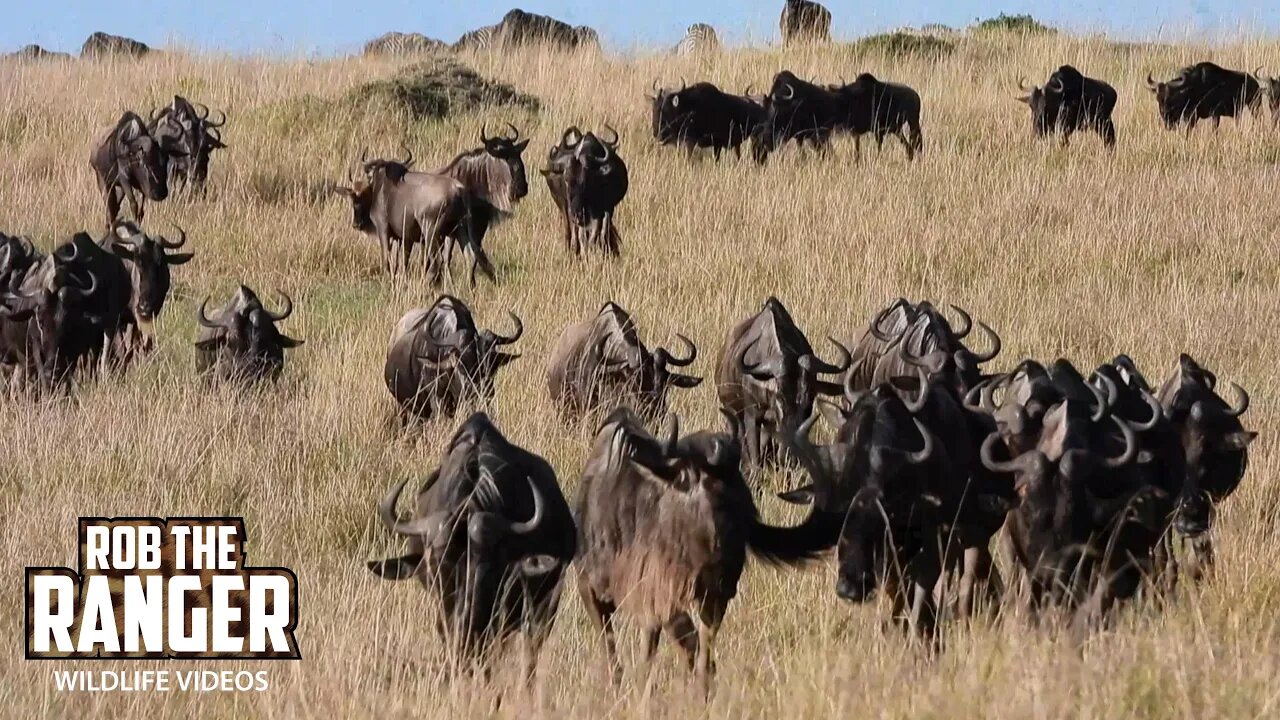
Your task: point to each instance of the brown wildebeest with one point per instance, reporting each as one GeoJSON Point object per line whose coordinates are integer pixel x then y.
{"type": "Point", "coordinates": [664, 529]}
{"type": "Point", "coordinates": [438, 359]}
{"type": "Point", "coordinates": [602, 361]}
{"type": "Point", "coordinates": [767, 378]}
{"type": "Point", "coordinates": [392, 203]}
{"type": "Point", "coordinates": [493, 172]}
{"type": "Point", "coordinates": [242, 343]}
{"type": "Point", "coordinates": [490, 538]}
{"type": "Point", "coordinates": [131, 163]}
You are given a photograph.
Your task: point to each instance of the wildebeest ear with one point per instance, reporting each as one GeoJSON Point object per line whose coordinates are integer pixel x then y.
{"type": "Point", "coordinates": [178, 258]}
{"type": "Point", "coordinates": [401, 568]}
{"type": "Point", "coordinates": [1236, 440]}
{"type": "Point", "coordinates": [684, 381]}
{"type": "Point", "coordinates": [288, 342]}
{"type": "Point", "coordinates": [537, 565]}
{"type": "Point", "coordinates": [132, 131]}
{"type": "Point", "coordinates": [1023, 99]}
{"type": "Point", "coordinates": [520, 146]}
{"type": "Point", "coordinates": [802, 495]}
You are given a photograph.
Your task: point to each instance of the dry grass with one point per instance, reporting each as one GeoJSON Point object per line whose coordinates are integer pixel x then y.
{"type": "Point", "coordinates": [1168, 245]}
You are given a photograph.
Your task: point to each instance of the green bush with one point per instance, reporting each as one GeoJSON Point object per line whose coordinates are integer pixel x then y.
{"type": "Point", "coordinates": [1013, 23]}
{"type": "Point", "coordinates": [902, 44]}
{"type": "Point", "coordinates": [436, 89]}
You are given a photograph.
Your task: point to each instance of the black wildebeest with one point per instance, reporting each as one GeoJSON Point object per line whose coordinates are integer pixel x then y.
{"type": "Point", "coordinates": [587, 180]}
{"type": "Point", "coordinates": [490, 537]}
{"type": "Point", "coordinates": [1215, 450]}
{"type": "Point", "coordinates": [602, 361]}
{"type": "Point", "coordinates": [869, 105]}
{"type": "Point", "coordinates": [188, 127]}
{"type": "Point", "coordinates": [242, 343]}
{"type": "Point", "coordinates": [140, 263]}
{"type": "Point", "coordinates": [804, 21]}
{"type": "Point", "coordinates": [438, 359]}
{"type": "Point", "coordinates": [131, 163]}
{"type": "Point", "coordinates": [392, 203]}
{"type": "Point", "coordinates": [47, 325]}
{"type": "Point", "coordinates": [767, 378]}
{"type": "Point", "coordinates": [664, 529]}
{"type": "Point", "coordinates": [797, 110]}
{"type": "Point", "coordinates": [903, 336]}
{"type": "Point", "coordinates": [702, 115]}
{"type": "Point", "coordinates": [1068, 102]}
{"type": "Point", "coordinates": [17, 256]}
{"type": "Point", "coordinates": [1204, 91]}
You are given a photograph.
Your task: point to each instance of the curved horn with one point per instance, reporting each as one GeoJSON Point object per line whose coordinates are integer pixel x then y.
{"type": "Point", "coordinates": [923, 398]}
{"type": "Point", "coordinates": [83, 291]}
{"type": "Point", "coordinates": [690, 349]}
{"type": "Point", "coordinates": [973, 398]}
{"type": "Point", "coordinates": [284, 313]}
{"type": "Point", "coordinates": [1130, 446]}
{"type": "Point", "coordinates": [616, 138]}
{"type": "Point", "coordinates": [571, 130]}
{"type": "Point", "coordinates": [222, 120]}
{"type": "Point", "coordinates": [925, 452]}
{"type": "Point", "coordinates": [364, 155]}
{"type": "Point", "coordinates": [968, 322]}
{"type": "Point", "coordinates": [878, 320]}
{"type": "Point", "coordinates": [67, 257]}
{"type": "Point", "coordinates": [484, 138]}
{"type": "Point", "coordinates": [995, 344]}
{"type": "Point", "coordinates": [174, 245]}
{"type": "Point", "coordinates": [990, 463]}
{"type": "Point", "coordinates": [1242, 402]}
{"type": "Point", "coordinates": [791, 92]}
{"type": "Point", "coordinates": [672, 435]}
{"type": "Point", "coordinates": [846, 360]}
{"type": "Point", "coordinates": [1151, 83]}
{"type": "Point", "coordinates": [1156, 413]}
{"type": "Point", "coordinates": [1113, 393]}
{"type": "Point", "coordinates": [424, 527]}
{"type": "Point", "coordinates": [608, 153]}
{"type": "Point", "coordinates": [530, 525]}
{"type": "Point", "coordinates": [204, 318]}
{"type": "Point", "coordinates": [515, 133]}
{"type": "Point", "coordinates": [1056, 85]}
{"type": "Point", "coordinates": [156, 113]}
{"type": "Point", "coordinates": [1022, 85]}
{"type": "Point", "coordinates": [202, 111]}
{"type": "Point", "coordinates": [654, 87]}
{"type": "Point", "coordinates": [408, 161]}
{"type": "Point", "coordinates": [508, 339]}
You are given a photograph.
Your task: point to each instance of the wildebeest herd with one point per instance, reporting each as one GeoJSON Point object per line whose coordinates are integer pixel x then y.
{"type": "Point", "coordinates": [1102, 485]}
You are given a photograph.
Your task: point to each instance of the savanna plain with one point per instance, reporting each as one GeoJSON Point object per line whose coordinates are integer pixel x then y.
{"type": "Point", "coordinates": [1167, 245]}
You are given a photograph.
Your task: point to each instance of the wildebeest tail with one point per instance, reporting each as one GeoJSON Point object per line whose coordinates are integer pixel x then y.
{"type": "Point", "coordinates": [399, 568]}
{"type": "Point", "coordinates": [791, 545]}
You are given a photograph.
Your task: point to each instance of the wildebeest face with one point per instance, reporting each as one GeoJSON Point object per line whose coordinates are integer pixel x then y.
{"type": "Point", "coordinates": [510, 151]}
{"type": "Point", "coordinates": [489, 357]}
{"type": "Point", "coordinates": [591, 161]}
{"type": "Point", "coordinates": [361, 195]}
{"type": "Point", "coordinates": [860, 550]}
{"type": "Point", "coordinates": [149, 266]}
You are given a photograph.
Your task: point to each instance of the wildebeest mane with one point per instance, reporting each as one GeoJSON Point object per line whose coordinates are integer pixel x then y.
{"type": "Point", "coordinates": [485, 176]}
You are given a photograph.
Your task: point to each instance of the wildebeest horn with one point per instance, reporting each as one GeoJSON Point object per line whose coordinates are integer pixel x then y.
{"type": "Point", "coordinates": [508, 339]}
{"type": "Point", "coordinates": [672, 435]}
{"type": "Point", "coordinates": [1113, 393]}
{"type": "Point", "coordinates": [923, 398]}
{"type": "Point", "coordinates": [846, 360]}
{"type": "Point", "coordinates": [172, 245]}
{"type": "Point", "coordinates": [654, 87]}
{"type": "Point", "coordinates": [614, 142]}
{"type": "Point", "coordinates": [968, 322]}
{"type": "Point", "coordinates": [287, 302]}
{"type": "Point", "coordinates": [156, 113]}
{"type": "Point", "coordinates": [484, 138]}
{"type": "Point", "coordinates": [608, 153]}
{"type": "Point", "coordinates": [202, 111]}
{"type": "Point", "coordinates": [1156, 412]}
{"type": "Point", "coordinates": [1242, 402]}
{"type": "Point", "coordinates": [83, 291]}
{"type": "Point", "coordinates": [216, 123]}
{"type": "Point", "coordinates": [515, 132]}
{"type": "Point", "coordinates": [791, 92]}
{"type": "Point", "coordinates": [925, 452]}
{"type": "Point", "coordinates": [204, 318]}
{"type": "Point", "coordinates": [1022, 84]}
{"type": "Point", "coordinates": [995, 344]}
{"type": "Point", "coordinates": [879, 319]}
{"type": "Point", "coordinates": [408, 161]}
{"type": "Point", "coordinates": [1130, 446]}
{"type": "Point", "coordinates": [67, 257]}
{"type": "Point", "coordinates": [1101, 405]}
{"type": "Point", "coordinates": [574, 131]}
{"type": "Point", "coordinates": [1055, 85]}
{"type": "Point", "coordinates": [530, 525]}
{"type": "Point", "coordinates": [690, 349]}
{"type": "Point", "coordinates": [989, 462]}
{"type": "Point", "coordinates": [364, 155]}
{"type": "Point", "coordinates": [1151, 83]}
{"type": "Point", "coordinates": [424, 527]}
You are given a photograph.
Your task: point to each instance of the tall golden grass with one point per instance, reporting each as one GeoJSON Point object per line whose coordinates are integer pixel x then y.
{"type": "Point", "coordinates": [1165, 246]}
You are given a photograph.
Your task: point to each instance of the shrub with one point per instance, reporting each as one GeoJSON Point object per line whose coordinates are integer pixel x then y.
{"type": "Point", "coordinates": [903, 44]}
{"type": "Point", "coordinates": [1013, 23]}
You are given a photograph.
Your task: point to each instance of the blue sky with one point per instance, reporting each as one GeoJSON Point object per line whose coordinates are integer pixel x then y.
{"type": "Point", "coordinates": [326, 27]}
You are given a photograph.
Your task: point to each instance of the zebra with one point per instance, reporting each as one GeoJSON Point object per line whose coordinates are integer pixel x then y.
{"type": "Point", "coordinates": [481, 39]}
{"type": "Point", "coordinates": [803, 21]}
{"type": "Point", "coordinates": [700, 39]}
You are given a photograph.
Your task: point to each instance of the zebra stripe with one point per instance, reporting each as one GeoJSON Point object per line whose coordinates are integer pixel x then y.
{"type": "Point", "coordinates": [484, 38]}
{"type": "Point", "coordinates": [700, 38]}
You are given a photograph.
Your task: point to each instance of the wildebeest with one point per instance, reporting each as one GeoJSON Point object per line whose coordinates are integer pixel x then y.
{"type": "Point", "coordinates": [401, 43]}
{"type": "Point", "coordinates": [438, 359]}
{"type": "Point", "coordinates": [664, 528]}
{"type": "Point", "coordinates": [804, 21]}
{"type": "Point", "coordinates": [702, 115]}
{"type": "Point", "coordinates": [188, 128]}
{"type": "Point", "coordinates": [242, 342]}
{"type": "Point", "coordinates": [493, 172]}
{"type": "Point", "coordinates": [587, 180]}
{"type": "Point", "coordinates": [132, 163]}
{"type": "Point", "coordinates": [392, 203]}
{"type": "Point", "coordinates": [102, 45]}
{"type": "Point", "coordinates": [798, 110]}
{"type": "Point", "coordinates": [490, 537]}
{"type": "Point", "coordinates": [1068, 102]}
{"type": "Point", "coordinates": [869, 105]}
{"type": "Point", "coordinates": [699, 39]}
{"type": "Point", "coordinates": [1273, 99]}
{"type": "Point", "coordinates": [146, 264]}
{"type": "Point", "coordinates": [1215, 447]}
{"type": "Point", "coordinates": [1203, 91]}
{"type": "Point", "coordinates": [904, 336]}
{"type": "Point", "coordinates": [602, 361]}
{"type": "Point", "coordinates": [767, 378]}
{"type": "Point", "coordinates": [17, 256]}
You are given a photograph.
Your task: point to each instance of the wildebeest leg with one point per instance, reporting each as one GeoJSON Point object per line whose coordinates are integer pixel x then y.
{"type": "Point", "coordinates": [1108, 132]}
{"type": "Point", "coordinates": [707, 621]}
{"type": "Point", "coordinates": [924, 611]}
{"type": "Point", "coordinates": [611, 239]}
{"type": "Point", "coordinates": [857, 149]}
{"type": "Point", "coordinates": [137, 205]}
{"type": "Point", "coordinates": [1217, 122]}
{"type": "Point", "coordinates": [751, 431]}
{"type": "Point", "coordinates": [684, 634]}
{"type": "Point", "coordinates": [1201, 560]}
{"type": "Point", "coordinates": [113, 196]}
{"type": "Point", "coordinates": [601, 614]}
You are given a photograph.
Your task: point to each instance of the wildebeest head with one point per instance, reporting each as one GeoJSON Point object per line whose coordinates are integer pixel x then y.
{"type": "Point", "coordinates": [141, 156]}
{"type": "Point", "coordinates": [623, 361]}
{"type": "Point", "coordinates": [148, 266]}
{"type": "Point", "coordinates": [362, 190]}
{"type": "Point", "coordinates": [509, 150]}
{"type": "Point", "coordinates": [594, 174]}
{"type": "Point", "coordinates": [243, 340]}
{"type": "Point", "coordinates": [17, 256]}
{"type": "Point", "coordinates": [468, 541]}
{"type": "Point", "coordinates": [925, 338]}
{"type": "Point", "coordinates": [447, 333]}
{"type": "Point", "coordinates": [1272, 88]}
{"type": "Point", "coordinates": [1048, 102]}
{"type": "Point", "coordinates": [1214, 442]}
{"type": "Point", "coordinates": [672, 112]}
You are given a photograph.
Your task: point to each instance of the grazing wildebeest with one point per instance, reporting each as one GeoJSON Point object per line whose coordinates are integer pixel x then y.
{"type": "Point", "coordinates": [131, 163]}
{"type": "Point", "coordinates": [798, 110]}
{"type": "Point", "coordinates": [102, 45]}
{"type": "Point", "coordinates": [242, 342]}
{"type": "Point", "coordinates": [392, 203]}
{"type": "Point", "coordinates": [602, 361]}
{"type": "Point", "coordinates": [1203, 91]}
{"type": "Point", "coordinates": [188, 128]}
{"type": "Point", "coordinates": [767, 378]}
{"type": "Point", "coordinates": [699, 39]}
{"type": "Point", "coordinates": [868, 105]}
{"type": "Point", "coordinates": [490, 538]}
{"type": "Point", "coordinates": [804, 21]}
{"type": "Point", "coordinates": [664, 528]}
{"type": "Point", "coordinates": [1068, 102]}
{"type": "Point", "coordinates": [702, 115]}
{"type": "Point", "coordinates": [48, 327]}
{"type": "Point", "coordinates": [1215, 448]}
{"type": "Point", "coordinates": [438, 359]}
{"type": "Point", "coordinates": [146, 264]}
{"type": "Point", "coordinates": [588, 180]}
{"type": "Point", "coordinates": [903, 336]}
{"type": "Point", "coordinates": [493, 172]}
